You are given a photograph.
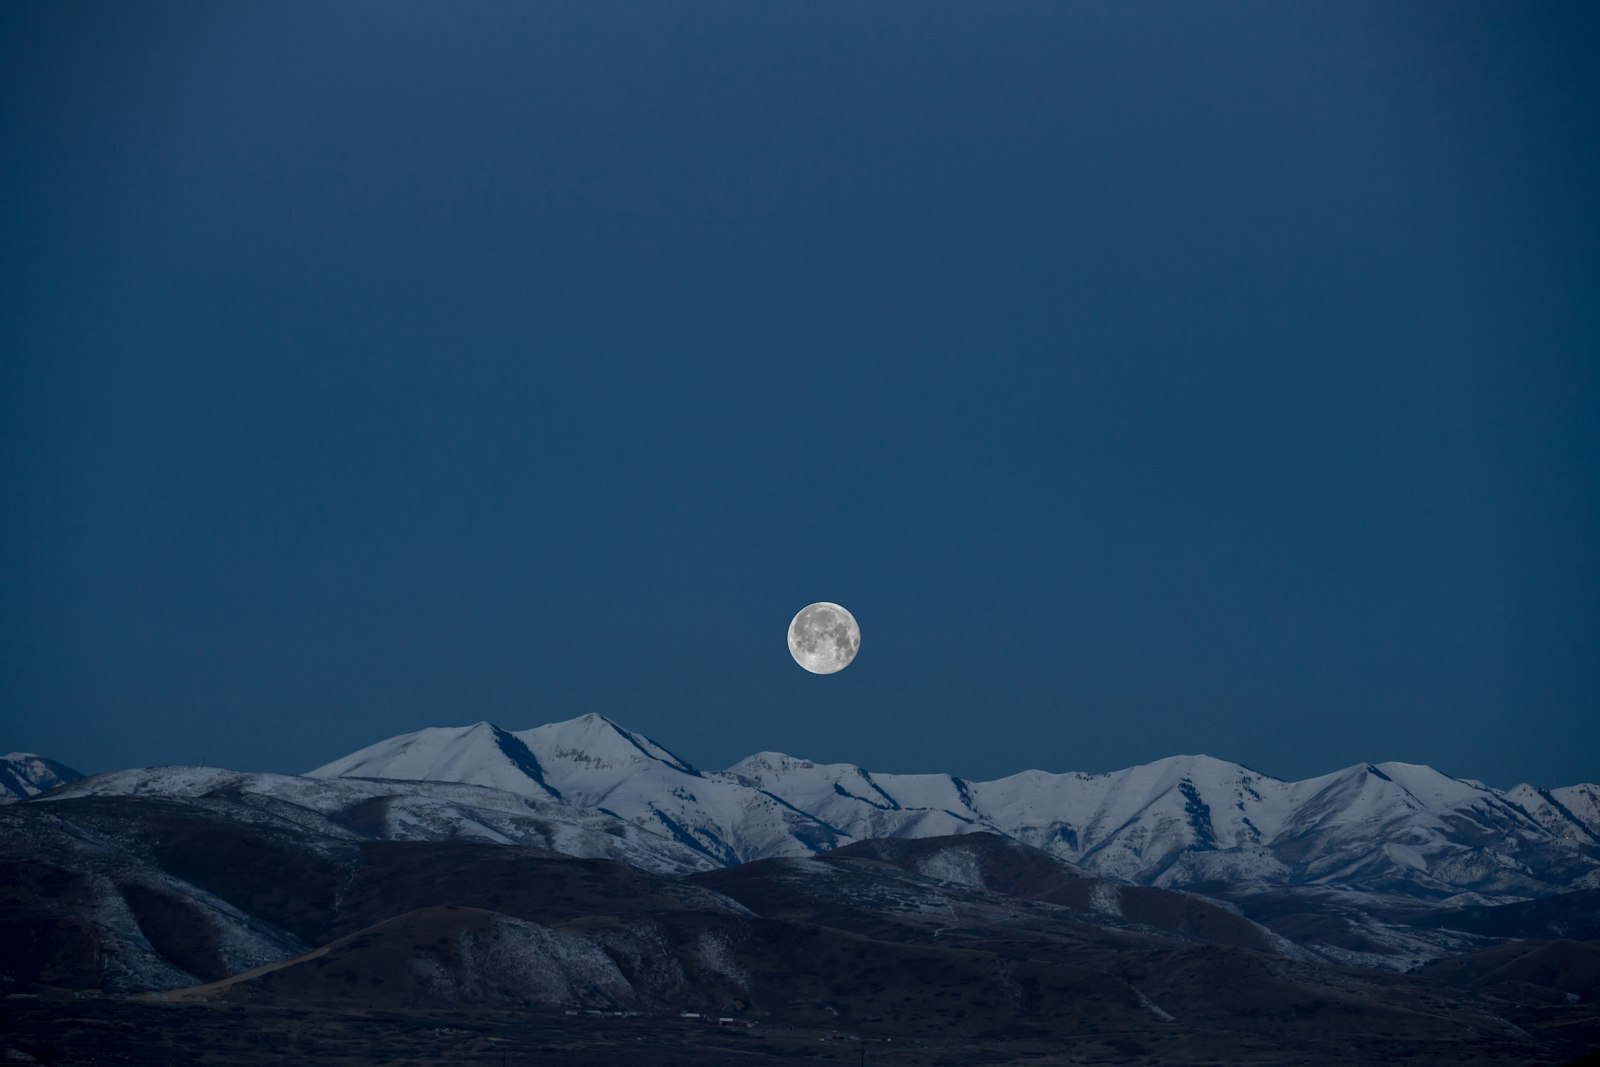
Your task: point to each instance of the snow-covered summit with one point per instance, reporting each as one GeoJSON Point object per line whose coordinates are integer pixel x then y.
{"type": "Point", "coordinates": [25, 774]}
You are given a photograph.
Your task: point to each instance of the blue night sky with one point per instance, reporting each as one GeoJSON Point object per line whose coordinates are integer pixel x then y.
{"type": "Point", "coordinates": [1147, 378]}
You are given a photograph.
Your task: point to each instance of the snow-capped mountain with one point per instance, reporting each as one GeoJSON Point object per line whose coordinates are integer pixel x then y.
{"type": "Point", "coordinates": [591, 762]}
{"type": "Point", "coordinates": [24, 774]}
{"type": "Point", "coordinates": [1181, 821]}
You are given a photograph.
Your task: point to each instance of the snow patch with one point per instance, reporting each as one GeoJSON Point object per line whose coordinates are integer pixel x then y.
{"type": "Point", "coordinates": [1103, 900]}
{"type": "Point", "coordinates": [1152, 1007]}
{"type": "Point", "coordinates": [959, 866]}
{"type": "Point", "coordinates": [717, 956]}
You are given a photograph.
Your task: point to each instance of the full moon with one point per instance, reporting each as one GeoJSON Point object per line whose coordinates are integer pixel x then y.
{"type": "Point", "coordinates": [824, 638]}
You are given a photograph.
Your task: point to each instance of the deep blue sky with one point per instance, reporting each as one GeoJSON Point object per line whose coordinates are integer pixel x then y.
{"type": "Point", "coordinates": [1147, 378]}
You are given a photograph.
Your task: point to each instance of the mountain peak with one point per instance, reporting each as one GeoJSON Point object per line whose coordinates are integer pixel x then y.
{"type": "Point", "coordinates": [600, 743]}
{"type": "Point", "coordinates": [765, 761]}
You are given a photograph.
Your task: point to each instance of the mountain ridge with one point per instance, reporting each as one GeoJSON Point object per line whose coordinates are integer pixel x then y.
{"type": "Point", "coordinates": [1180, 820]}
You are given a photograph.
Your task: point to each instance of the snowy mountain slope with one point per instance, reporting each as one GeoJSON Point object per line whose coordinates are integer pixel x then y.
{"type": "Point", "coordinates": [1406, 828]}
{"type": "Point", "coordinates": [481, 754]}
{"type": "Point", "coordinates": [1193, 819]}
{"type": "Point", "coordinates": [1571, 813]}
{"type": "Point", "coordinates": [1581, 804]}
{"type": "Point", "coordinates": [24, 774]}
{"type": "Point", "coordinates": [856, 801]}
{"type": "Point", "coordinates": [397, 810]}
{"type": "Point", "coordinates": [596, 763]}
{"type": "Point", "coordinates": [1180, 821]}
{"type": "Point", "coordinates": [592, 763]}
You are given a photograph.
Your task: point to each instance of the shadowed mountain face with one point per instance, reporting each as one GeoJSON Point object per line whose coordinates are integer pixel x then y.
{"type": "Point", "coordinates": [133, 893]}
{"type": "Point", "coordinates": [977, 887]}
{"type": "Point", "coordinates": [1566, 915]}
{"type": "Point", "coordinates": [1527, 972]}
